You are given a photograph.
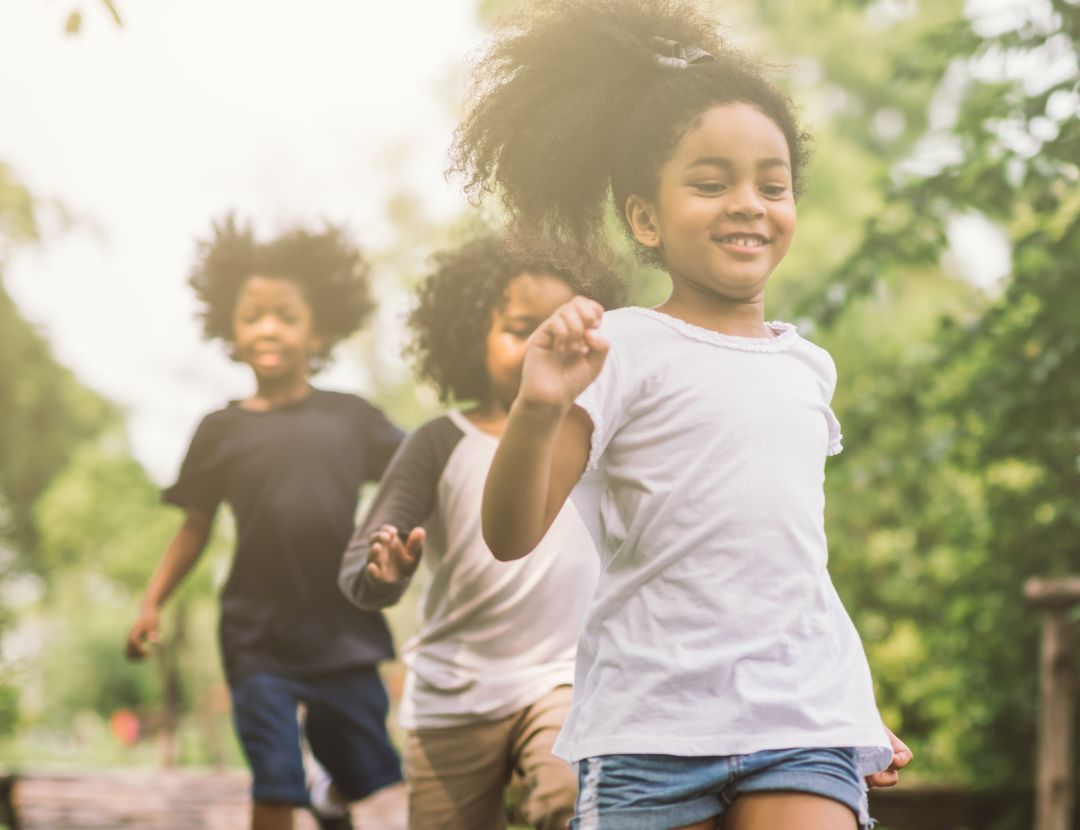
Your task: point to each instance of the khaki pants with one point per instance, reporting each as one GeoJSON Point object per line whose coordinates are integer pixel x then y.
{"type": "Point", "coordinates": [457, 774]}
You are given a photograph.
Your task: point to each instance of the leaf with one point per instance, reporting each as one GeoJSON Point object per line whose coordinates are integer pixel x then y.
{"type": "Point", "coordinates": [74, 23]}
{"type": "Point", "coordinates": [112, 8]}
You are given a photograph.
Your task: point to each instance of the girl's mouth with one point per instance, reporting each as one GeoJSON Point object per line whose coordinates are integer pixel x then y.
{"type": "Point", "coordinates": [743, 240]}
{"type": "Point", "coordinates": [742, 243]}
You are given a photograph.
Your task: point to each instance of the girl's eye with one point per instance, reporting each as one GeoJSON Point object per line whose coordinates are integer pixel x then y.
{"type": "Point", "coordinates": [774, 190]}
{"type": "Point", "coordinates": [709, 187]}
{"type": "Point", "coordinates": [520, 334]}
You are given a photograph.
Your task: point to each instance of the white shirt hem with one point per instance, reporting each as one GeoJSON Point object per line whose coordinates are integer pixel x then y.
{"type": "Point", "coordinates": [875, 751]}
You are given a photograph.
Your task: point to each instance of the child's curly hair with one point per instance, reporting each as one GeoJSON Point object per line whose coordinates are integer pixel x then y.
{"type": "Point", "coordinates": [452, 316]}
{"type": "Point", "coordinates": [327, 267]}
{"type": "Point", "coordinates": [570, 108]}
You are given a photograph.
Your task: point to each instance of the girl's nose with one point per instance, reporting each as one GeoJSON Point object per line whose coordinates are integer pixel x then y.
{"type": "Point", "coordinates": [746, 203]}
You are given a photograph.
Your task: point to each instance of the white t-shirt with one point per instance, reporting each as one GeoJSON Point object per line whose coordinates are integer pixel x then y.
{"type": "Point", "coordinates": [494, 636]}
{"type": "Point", "coordinates": [715, 628]}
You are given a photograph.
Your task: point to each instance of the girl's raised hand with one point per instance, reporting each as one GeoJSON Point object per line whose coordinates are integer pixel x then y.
{"type": "Point", "coordinates": [565, 354]}
{"type": "Point", "coordinates": [391, 561]}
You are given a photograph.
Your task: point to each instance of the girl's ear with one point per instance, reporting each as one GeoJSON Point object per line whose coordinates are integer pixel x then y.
{"type": "Point", "coordinates": [639, 215]}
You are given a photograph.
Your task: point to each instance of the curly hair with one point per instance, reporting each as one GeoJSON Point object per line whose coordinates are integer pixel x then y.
{"type": "Point", "coordinates": [327, 267]}
{"type": "Point", "coordinates": [569, 110]}
{"type": "Point", "coordinates": [452, 315]}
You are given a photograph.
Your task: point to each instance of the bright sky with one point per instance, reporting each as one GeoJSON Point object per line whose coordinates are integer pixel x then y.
{"type": "Point", "coordinates": [283, 111]}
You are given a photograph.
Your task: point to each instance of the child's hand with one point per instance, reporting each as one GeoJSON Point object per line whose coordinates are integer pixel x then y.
{"type": "Point", "coordinates": [144, 631]}
{"type": "Point", "coordinates": [389, 559]}
{"type": "Point", "coordinates": [564, 356]}
{"type": "Point", "coordinates": [900, 759]}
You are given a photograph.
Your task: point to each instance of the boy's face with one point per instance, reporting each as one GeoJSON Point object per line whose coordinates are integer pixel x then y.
{"type": "Point", "coordinates": [273, 328]}
{"type": "Point", "coordinates": [528, 301]}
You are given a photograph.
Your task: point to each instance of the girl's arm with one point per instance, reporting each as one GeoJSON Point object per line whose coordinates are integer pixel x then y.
{"type": "Point", "coordinates": [545, 445]}
{"type": "Point", "coordinates": [181, 554]}
{"type": "Point", "coordinates": [379, 561]}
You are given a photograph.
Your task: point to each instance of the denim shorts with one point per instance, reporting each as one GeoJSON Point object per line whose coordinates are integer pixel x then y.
{"type": "Point", "coordinates": [662, 792]}
{"type": "Point", "coordinates": [345, 726]}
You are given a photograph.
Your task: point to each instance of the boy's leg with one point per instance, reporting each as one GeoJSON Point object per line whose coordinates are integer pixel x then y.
{"type": "Point", "coordinates": [346, 727]}
{"type": "Point", "coordinates": [264, 712]}
{"type": "Point", "coordinates": [457, 775]}
{"type": "Point", "coordinates": [267, 816]}
{"type": "Point", "coordinates": [550, 782]}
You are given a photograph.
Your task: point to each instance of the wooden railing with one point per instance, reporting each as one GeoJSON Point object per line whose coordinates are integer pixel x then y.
{"type": "Point", "coordinates": [1057, 684]}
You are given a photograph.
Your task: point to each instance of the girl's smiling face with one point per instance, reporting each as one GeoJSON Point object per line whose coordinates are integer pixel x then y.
{"type": "Point", "coordinates": [273, 328]}
{"type": "Point", "coordinates": [724, 210]}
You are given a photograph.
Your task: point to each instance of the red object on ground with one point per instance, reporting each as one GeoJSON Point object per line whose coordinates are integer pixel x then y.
{"type": "Point", "coordinates": [124, 726]}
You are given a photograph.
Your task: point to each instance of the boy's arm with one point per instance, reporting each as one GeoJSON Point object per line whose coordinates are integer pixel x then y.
{"type": "Point", "coordinates": [545, 446]}
{"type": "Point", "coordinates": [385, 549]}
{"type": "Point", "coordinates": [181, 554]}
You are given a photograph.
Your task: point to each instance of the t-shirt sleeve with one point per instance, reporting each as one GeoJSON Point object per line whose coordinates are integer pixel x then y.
{"type": "Point", "coordinates": [602, 401]}
{"type": "Point", "coordinates": [203, 477]}
{"type": "Point", "coordinates": [381, 441]}
{"type": "Point", "coordinates": [406, 498]}
{"type": "Point", "coordinates": [836, 445]}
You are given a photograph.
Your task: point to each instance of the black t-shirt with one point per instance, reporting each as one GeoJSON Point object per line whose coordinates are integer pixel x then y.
{"type": "Point", "coordinates": [292, 476]}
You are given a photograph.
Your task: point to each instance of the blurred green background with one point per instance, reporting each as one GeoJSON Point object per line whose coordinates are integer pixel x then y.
{"type": "Point", "coordinates": [959, 395]}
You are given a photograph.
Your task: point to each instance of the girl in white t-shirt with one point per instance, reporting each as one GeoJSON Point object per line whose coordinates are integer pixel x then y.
{"type": "Point", "coordinates": [718, 676]}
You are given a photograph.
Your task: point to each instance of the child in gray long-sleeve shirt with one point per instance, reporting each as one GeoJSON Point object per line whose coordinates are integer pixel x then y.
{"type": "Point", "coordinates": [490, 671]}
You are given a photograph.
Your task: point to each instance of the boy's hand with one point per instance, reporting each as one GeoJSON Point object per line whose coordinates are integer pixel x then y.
{"type": "Point", "coordinates": [565, 354]}
{"type": "Point", "coordinates": [389, 559]}
{"type": "Point", "coordinates": [901, 758]}
{"type": "Point", "coordinates": [144, 631]}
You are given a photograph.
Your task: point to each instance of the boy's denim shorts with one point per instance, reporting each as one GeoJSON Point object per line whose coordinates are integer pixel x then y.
{"type": "Point", "coordinates": [345, 726]}
{"type": "Point", "coordinates": [662, 792]}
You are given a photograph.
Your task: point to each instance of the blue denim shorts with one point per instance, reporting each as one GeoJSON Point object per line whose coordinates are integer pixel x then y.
{"type": "Point", "coordinates": [345, 726]}
{"type": "Point", "coordinates": [662, 792]}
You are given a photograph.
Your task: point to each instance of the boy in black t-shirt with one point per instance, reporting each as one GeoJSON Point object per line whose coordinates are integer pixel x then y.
{"type": "Point", "coordinates": [290, 461]}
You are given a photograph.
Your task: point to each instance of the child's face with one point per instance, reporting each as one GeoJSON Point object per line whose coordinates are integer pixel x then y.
{"type": "Point", "coordinates": [724, 213]}
{"type": "Point", "coordinates": [528, 301]}
{"type": "Point", "coordinates": [273, 328]}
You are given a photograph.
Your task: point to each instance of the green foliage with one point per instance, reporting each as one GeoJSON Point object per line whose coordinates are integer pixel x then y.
{"type": "Point", "coordinates": [44, 414]}
{"type": "Point", "coordinates": [9, 709]}
{"type": "Point", "coordinates": [74, 21]}
{"type": "Point", "coordinates": [961, 477]}
{"type": "Point", "coordinates": [17, 222]}
{"type": "Point", "coordinates": [103, 511]}
{"type": "Point", "coordinates": [103, 530]}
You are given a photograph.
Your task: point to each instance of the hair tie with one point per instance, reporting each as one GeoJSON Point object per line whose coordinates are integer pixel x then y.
{"type": "Point", "coordinates": [674, 54]}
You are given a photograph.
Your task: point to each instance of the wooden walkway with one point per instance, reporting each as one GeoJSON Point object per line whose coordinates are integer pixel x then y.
{"type": "Point", "coordinates": [167, 800]}
{"type": "Point", "coordinates": [218, 800]}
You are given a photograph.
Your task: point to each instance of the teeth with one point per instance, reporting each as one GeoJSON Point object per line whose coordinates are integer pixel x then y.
{"type": "Point", "coordinates": [745, 241]}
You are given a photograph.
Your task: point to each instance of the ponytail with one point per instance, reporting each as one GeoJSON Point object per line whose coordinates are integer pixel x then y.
{"type": "Point", "coordinates": [576, 101]}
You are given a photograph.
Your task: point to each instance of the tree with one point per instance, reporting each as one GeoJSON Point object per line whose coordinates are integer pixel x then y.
{"type": "Point", "coordinates": [964, 480]}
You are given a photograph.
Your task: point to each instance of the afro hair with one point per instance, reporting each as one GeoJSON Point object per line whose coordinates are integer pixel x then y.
{"type": "Point", "coordinates": [454, 307]}
{"type": "Point", "coordinates": [327, 267]}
